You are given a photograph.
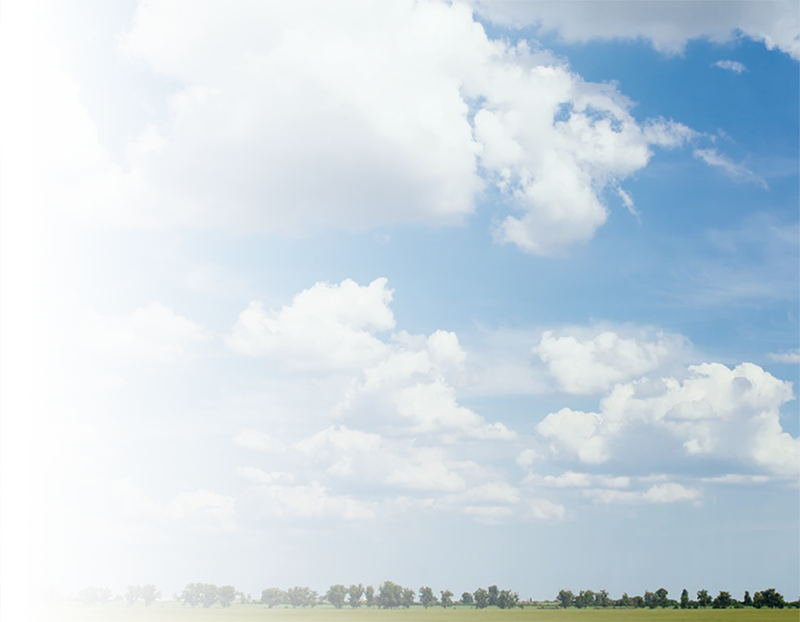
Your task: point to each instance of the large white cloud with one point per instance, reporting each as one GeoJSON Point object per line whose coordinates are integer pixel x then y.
{"type": "Point", "coordinates": [715, 412]}
{"type": "Point", "coordinates": [53, 130]}
{"type": "Point", "coordinates": [154, 332]}
{"type": "Point", "coordinates": [594, 364]}
{"type": "Point", "coordinates": [329, 327]}
{"type": "Point", "coordinates": [666, 24]}
{"type": "Point", "coordinates": [296, 116]}
{"type": "Point", "coordinates": [61, 449]}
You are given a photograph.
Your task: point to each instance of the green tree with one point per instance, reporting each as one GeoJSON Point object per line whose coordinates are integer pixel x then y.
{"type": "Point", "coordinates": [426, 597]}
{"type": "Point", "coordinates": [273, 596]}
{"type": "Point", "coordinates": [208, 594]}
{"type": "Point", "coordinates": [624, 601]}
{"type": "Point", "coordinates": [661, 597]}
{"type": "Point", "coordinates": [585, 598]}
{"type": "Point", "coordinates": [703, 599]}
{"type": "Point", "coordinates": [722, 601]}
{"type": "Point", "coordinates": [493, 594]}
{"type": "Point", "coordinates": [390, 595]}
{"type": "Point", "coordinates": [407, 598]}
{"type": "Point", "coordinates": [768, 598]}
{"type": "Point", "coordinates": [301, 596]}
{"type": "Point", "coordinates": [466, 599]}
{"type": "Point", "coordinates": [31, 592]}
{"type": "Point", "coordinates": [565, 598]}
{"type": "Point", "coordinates": [637, 602]}
{"type": "Point", "coordinates": [354, 594]}
{"type": "Point", "coordinates": [49, 594]}
{"type": "Point", "coordinates": [481, 598]}
{"type": "Point", "coordinates": [447, 598]}
{"type": "Point", "coordinates": [149, 594]}
{"type": "Point", "coordinates": [132, 594]}
{"type": "Point", "coordinates": [684, 598]}
{"type": "Point", "coordinates": [601, 599]}
{"type": "Point", "coordinates": [369, 596]}
{"type": "Point", "coordinates": [336, 595]}
{"type": "Point", "coordinates": [191, 594]}
{"type": "Point", "coordinates": [747, 601]}
{"type": "Point", "coordinates": [226, 595]}
{"type": "Point", "coordinates": [507, 599]}
{"type": "Point", "coordinates": [88, 596]}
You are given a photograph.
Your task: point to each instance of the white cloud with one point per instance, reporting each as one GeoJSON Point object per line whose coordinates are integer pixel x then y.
{"type": "Point", "coordinates": [132, 500]}
{"type": "Point", "coordinates": [571, 479]}
{"type": "Point", "coordinates": [86, 384]}
{"type": "Point", "coordinates": [311, 501]}
{"type": "Point", "coordinates": [202, 503]}
{"type": "Point", "coordinates": [716, 412]}
{"type": "Point", "coordinates": [153, 332]}
{"type": "Point", "coordinates": [667, 25]}
{"type": "Point", "coordinates": [257, 476]}
{"type": "Point", "coordinates": [737, 479]}
{"type": "Point", "coordinates": [735, 171]}
{"type": "Point", "coordinates": [57, 450]}
{"type": "Point", "coordinates": [53, 130]}
{"type": "Point", "coordinates": [430, 109]}
{"type": "Point", "coordinates": [258, 441]}
{"type": "Point", "coordinates": [595, 364]}
{"type": "Point", "coordinates": [527, 457]}
{"type": "Point", "coordinates": [327, 327]}
{"type": "Point", "coordinates": [545, 510]}
{"type": "Point", "coordinates": [792, 356]}
{"type": "Point", "coordinates": [668, 492]}
{"type": "Point", "coordinates": [730, 65]}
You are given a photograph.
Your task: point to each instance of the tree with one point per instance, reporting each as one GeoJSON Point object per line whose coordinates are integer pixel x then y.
{"type": "Point", "coordinates": [426, 597]}
{"type": "Point", "coordinates": [132, 594]}
{"type": "Point", "coordinates": [447, 598]}
{"type": "Point", "coordinates": [49, 594]}
{"type": "Point", "coordinates": [624, 601]}
{"type": "Point", "coordinates": [601, 599]}
{"type": "Point", "coordinates": [493, 594]}
{"type": "Point", "coordinates": [104, 594]}
{"type": "Point", "coordinates": [390, 595]}
{"type": "Point", "coordinates": [703, 599]}
{"type": "Point", "coordinates": [88, 596]}
{"type": "Point", "coordinates": [369, 596]}
{"type": "Point", "coordinates": [481, 598]}
{"type": "Point", "coordinates": [768, 598]}
{"type": "Point", "coordinates": [637, 602]}
{"type": "Point", "coordinates": [565, 598]}
{"type": "Point", "coordinates": [31, 592]}
{"type": "Point", "coordinates": [661, 597]}
{"type": "Point", "coordinates": [585, 598]}
{"type": "Point", "coordinates": [507, 599]}
{"type": "Point", "coordinates": [226, 595]}
{"type": "Point", "coordinates": [407, 598]}
{"type": "Point", "coordinates": [684, 599]}
{"type": "Point", "coordinates": [191, 594]}
{"type": "Point", "coordinates": [650, 600]}
{"type": "Point", "coordinates": [722, 601]}
{"type": "Point", "coordinates": [747, 601]}
{"type": "Point", "coordinates": [354, 593]}
{"type": "Point", "coordinates": [149, 594]}
{"type": "Point", "coordinates": [273, 596]}
{"type": "Point", "coordinates": [208, 594]}
{"type": "Point", "coordinates": [300, 596]}
{"type": "Point", "coordinates": [336, 595]}
{"type": "Point", "coordinates": [466, 599]}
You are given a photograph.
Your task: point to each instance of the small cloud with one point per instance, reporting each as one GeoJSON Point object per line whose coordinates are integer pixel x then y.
{"type": "Point", "coordinates": [730, 65]}
{"type": "Point", "coordinates": [543, 509]}
{"type": "Point", "coordinates": [627, 201]}
{"type": "Point", "coordinates": [89, 35]}
{"type": "Point", "coordinates": [735, 171]}
{"type": "Point", "coordinates": [259, 441]}
{"type": "Point", "coordinates": [792, 356]}
{"type": "Point", "coordinates": [734, 478]}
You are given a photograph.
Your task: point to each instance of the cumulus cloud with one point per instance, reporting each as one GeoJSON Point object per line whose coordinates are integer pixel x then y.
{"type": "Point", "coordinates": [327, 327]}
{"type": "Point", "coordinates": [731, 65]}
{"type": "Point", "coordinates": [61, 449]}
{"type": "Point", "coordinates": [792, 356]}
{"type": "Point", "coordinates": [87, 384]}
{"type": "Point", "coordinates": [595, 364]}
{"type": "Point", "coordinates": [153, 332]}
{"type": "Point", "coordinates": [715, 412]}
{"type": "Point", "coordinates": [431, 110]}
{"type": "Point", "coordinates": [571, 479]}
{"type": "Point", "coordinates": [310, 501]}
{"type": "Point", "coordinates": [668, 492]}
{"type": "Point", "coordinates": [733, 170]}
{"type": "Point", "coordinates": [667, 25]}
{"type": "Point", "coordinates": [545, 510]}
{"type": "Point", "coordinates": [53, 129]}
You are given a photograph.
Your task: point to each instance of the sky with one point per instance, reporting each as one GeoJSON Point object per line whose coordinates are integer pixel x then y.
{"type": "Point", "coordinates": [443, 293]}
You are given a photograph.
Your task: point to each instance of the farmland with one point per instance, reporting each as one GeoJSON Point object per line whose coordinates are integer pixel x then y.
{"type": "Point", "coordinates": [173, 612]}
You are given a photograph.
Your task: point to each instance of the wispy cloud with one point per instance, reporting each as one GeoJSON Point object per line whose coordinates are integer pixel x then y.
{"type": "Point", "coordinates": [733, 170]}
{"type": "Point", "coordinates": [730, 65]}
{"type": "Point", "coordinates": [792, 356]}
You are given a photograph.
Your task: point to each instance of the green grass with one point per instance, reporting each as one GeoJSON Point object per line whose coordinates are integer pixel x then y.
{"type": "Point", "coordinates": [171, 612]}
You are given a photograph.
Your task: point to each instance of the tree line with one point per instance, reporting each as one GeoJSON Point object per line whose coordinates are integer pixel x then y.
{"type": "Point", "coordinates": [390, 595]}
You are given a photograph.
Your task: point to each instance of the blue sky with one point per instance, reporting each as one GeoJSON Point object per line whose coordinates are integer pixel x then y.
{"type": "Point", "coordinates": [445, 294]}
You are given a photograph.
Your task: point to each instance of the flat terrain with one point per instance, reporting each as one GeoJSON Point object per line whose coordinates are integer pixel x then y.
{"type": "Point", "coordinates": [169, 612]}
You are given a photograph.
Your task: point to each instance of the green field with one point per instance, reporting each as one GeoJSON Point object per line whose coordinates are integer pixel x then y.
{"type": "Point", "coordinates": [170, 612]}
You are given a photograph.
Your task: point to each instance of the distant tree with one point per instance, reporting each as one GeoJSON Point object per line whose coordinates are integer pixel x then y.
{"type": "Point", "coordinates": [768, 598]}
{"type": "Point", "coordinates": [661, 597]}
{"type": "Point", "coordinates": [466, 599]}
{"type": "Point", "coordinates": [507, 599]}
{"type": "Point", "coordinates": [565, 598]}
{"type": "Point", "coordinates": [191, 595]}
{"type": "Point", "coordinates": [703, 599]}
{"type": "Point", "coordinates": [447, 598]}
{"type": "Point", "coordinates": [31, 592]}
{"type": "Point", "coordinates": [369, 596]}
{"type": "Point", "coordinates": [273, 596]}
{"type": "Point", "coordinates": [493, 594]}
{"type": "Point", "coordinates": [88, 596]}
{"type": "Point", "coordinates": [684, 598]}
{"type": "Point", "coordinates": [149, 594]}
{"type": "Point", "coordinates": [301, 596]}
{"type": "Point", "coordinates": [390, 595]}
{"type": "Point", "coordinates": [226, 595]}
{"type": "Point", "coordinates": [104, 594]}
{"type": "Point", "coordinates": [209, 594]}
{"type": "Point", "coordinates": [585, 598]}
{"type": "Point", "coordinates": [650, 600]}
{"type": "Point", "coordinates": [722, 601]}
{"type": "Point", "coordinates": [747, 601]}
{"type": "Point", "coordinates": [601, 599]}
{"type": "Point", "coordinates": [354, 593]}
{"type": "Point", "coordinates": [407, 598]}
{"type": "Point", "coordinates": [427, 597]}
{"type": "Point", "coordinates": [132, 594]}
{"type": "Point", "coordinates": [336, 595]}
{"type": "Point", "coordinates": [481, 598]}
{"type": "Point", "coordinates": [48, 594]}
{"type": "Point", "coordinates": [637, 602]}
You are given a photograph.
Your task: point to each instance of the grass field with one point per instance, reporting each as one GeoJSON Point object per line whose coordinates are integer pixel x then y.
{"type": "Point", "coordinates": [171, 612]}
